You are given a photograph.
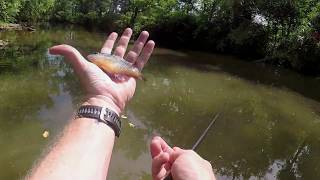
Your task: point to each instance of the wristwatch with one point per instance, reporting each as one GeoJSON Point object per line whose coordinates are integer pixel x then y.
{"type": "Point", "coordinates": [102, 114]}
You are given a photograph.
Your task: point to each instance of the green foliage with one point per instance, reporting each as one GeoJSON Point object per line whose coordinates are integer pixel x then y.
{"type": "Point", "coordinates": [35, 10]}
{"type": "Point", "coordinates": [281, 31]}
{"type": "Point", "coordinates": [133, 15]}
{"type": "Point", "coordinates": [9, 9]}
{"type": "Point", "coordinates": [297, 44]}
{"type": "Point", "coordinates": [64, 11]}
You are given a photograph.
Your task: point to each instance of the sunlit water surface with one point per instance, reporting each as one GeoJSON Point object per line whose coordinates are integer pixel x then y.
{"type": "Point", "coordinates": [269, 127]}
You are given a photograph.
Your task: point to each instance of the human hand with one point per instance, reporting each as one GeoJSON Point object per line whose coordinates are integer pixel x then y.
{"type": "Point", "coordinates": [101, 88]}
{"type": "Point", "coordinates": [187, 164]}
{"type": "Point", "coordinates": [182, 164]}
{"type": "Point", "coordinates": [160, 153]}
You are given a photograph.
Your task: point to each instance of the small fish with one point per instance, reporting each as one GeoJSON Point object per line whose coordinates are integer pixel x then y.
{"type": "Point", "coordinates": [114, 65]}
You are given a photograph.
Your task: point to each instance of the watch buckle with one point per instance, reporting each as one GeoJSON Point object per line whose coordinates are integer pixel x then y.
{"type": "Point", "coordinates": [102, 114]}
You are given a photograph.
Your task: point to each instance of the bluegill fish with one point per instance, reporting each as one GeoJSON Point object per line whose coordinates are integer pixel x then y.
{"type": "Point", "coordinates": [114, 65]}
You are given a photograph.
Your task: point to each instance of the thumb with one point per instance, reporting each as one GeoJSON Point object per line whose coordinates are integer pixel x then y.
{"type": "Point", "coordinates": [155, 147]}
{"type": "Point", "coordinates": [72, 55]}
{"type": "Point", "coordinates": [158, 145]}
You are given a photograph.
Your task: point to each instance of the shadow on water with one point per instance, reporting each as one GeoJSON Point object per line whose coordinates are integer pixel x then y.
{"type": "Point", "coordinates": [254, 72]}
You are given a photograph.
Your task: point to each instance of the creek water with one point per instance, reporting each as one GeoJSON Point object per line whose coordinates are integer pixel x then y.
{"type": "Point", "coordinates": [269, 127]}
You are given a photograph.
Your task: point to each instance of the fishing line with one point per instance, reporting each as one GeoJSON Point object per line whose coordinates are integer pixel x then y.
{"type": "Point", "coordinates": [197, 143]}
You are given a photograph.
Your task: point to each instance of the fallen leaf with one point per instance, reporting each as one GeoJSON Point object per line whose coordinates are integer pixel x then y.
{"type": "Point", "coordinates": [132, 125]}
{"type": "Point", "coordinates": [123, 116]}
{"type": "Point", "coordinates": [45, 134]}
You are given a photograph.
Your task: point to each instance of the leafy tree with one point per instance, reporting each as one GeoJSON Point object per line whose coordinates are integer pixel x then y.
{"type": "Point", "coordinates": [278, 31]}
{"type": "Point", "coordinates": [33, 11]}
{"type": "Point", "coordinates": [187, 6]}
{"type": "Point", "coordinates": [134, 9]}
{"type": "Point", "coordinates": [65, 11]}
{"type": "Point", "coordinates": [9, 9]}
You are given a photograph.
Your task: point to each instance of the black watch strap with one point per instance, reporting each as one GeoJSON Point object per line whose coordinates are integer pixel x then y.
{"type": "Point", "coordinates": [102, 114]}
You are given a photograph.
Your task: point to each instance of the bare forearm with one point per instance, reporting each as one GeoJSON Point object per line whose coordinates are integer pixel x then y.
{"type": "Point", "coordinates": [85, 147]}
{"type": "Point", "coordinates": [83, 152]}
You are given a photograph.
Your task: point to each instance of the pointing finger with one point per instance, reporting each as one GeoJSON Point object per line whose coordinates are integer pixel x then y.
{"type": "Point", "coordinates": [158, 145]}
{"type": "Point", "coordinates": [155, 147]}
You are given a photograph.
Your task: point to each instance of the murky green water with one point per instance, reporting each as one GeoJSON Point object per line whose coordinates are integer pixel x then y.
{"type": "Point", "coordinates": [269, 127]}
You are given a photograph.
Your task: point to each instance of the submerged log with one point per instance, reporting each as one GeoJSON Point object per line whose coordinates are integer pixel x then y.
{"type": "Point", "coordinates": [29, 28]}
{"type": "Point", "coordinates": [14, 27]}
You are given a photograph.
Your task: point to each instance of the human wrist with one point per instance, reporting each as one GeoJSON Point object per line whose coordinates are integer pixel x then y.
{"type": "Point", "coordinates": [102, 101]}
{"type": "Point", "coordinates": [103, 109]}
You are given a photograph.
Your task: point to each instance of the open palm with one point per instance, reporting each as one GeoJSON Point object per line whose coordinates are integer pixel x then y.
{"type": "Point", "coordinates": [96, 82]}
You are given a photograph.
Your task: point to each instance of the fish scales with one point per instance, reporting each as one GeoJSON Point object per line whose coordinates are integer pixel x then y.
{"type": "Point", "coordinates": [114, 65]}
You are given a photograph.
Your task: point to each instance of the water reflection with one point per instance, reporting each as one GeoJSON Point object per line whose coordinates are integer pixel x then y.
{"type": "Point", "coordinates": [267, 130]}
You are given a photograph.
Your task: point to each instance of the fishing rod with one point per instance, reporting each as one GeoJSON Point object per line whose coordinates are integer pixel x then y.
{"type": "Point", "coordinates": [197, 143]}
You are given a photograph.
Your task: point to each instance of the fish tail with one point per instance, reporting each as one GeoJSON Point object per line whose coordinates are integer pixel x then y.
{"type": "Point", "coordinates": [142, 78]}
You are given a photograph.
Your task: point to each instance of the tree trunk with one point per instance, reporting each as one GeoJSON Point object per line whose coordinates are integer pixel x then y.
{"type": "Point", "coordinates": [134, 17]}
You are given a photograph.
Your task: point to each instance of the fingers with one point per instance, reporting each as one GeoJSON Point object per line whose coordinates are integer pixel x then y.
{"type": "Point", "coordinates": [123, 43]}
{"type": "Point", "coordinates": [164, 146]}
{"type": "Point", "coordinates": [158, 165]}
{"type": "Point", "coordinates": [176, 153]}
{"type": "Point", "coordinates": [72, 55]}
{"type": "Point", "coordinates": [108, 45]}
{"type": "Point", "coordinates": [137, 47]}
{"type": "Point", "coordinates": [145, 54]}
{"type": "Point", "coordinates": [155, 147]}
{"type": "Point", "coordinates": [158, 145]}
{"type": "Point", "coordinates": [140, 52]}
